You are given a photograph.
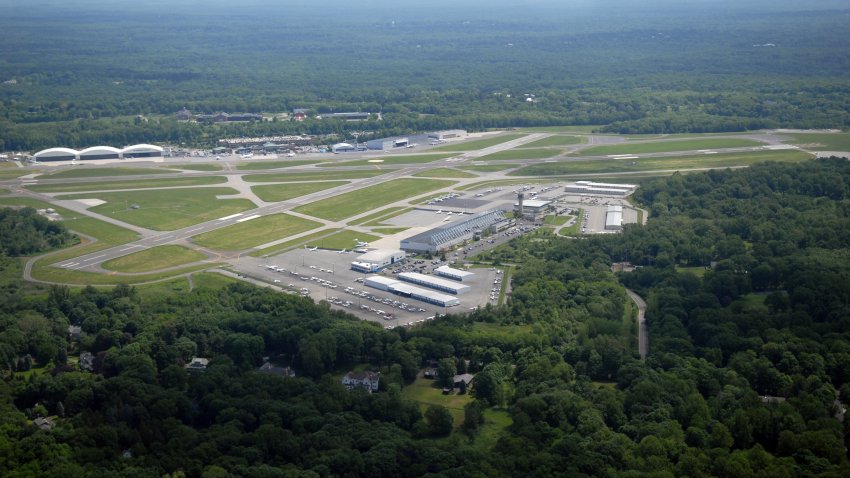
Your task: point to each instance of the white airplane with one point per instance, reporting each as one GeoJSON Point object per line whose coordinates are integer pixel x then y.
{"type": "Point", "coordinates": [290, 155]}
{"type": "Point", "coordinates": [247, 155]}
{"type": "Point", "coordinates": [362, 244]}
{"type": "Point", "coordinates": [310, 249]}
{"type": "Point", "coordinates": [342, 251]}
{"type": "Point", "coordinates": [449, 213]}
{"type": "Point", "coordinates": [440, 211]}
{"type": "Point", "coordinates": [447, 219]}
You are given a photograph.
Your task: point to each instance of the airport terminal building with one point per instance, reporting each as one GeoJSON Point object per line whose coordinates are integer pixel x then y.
{"type": "Point", "coordinates": [443, 237]}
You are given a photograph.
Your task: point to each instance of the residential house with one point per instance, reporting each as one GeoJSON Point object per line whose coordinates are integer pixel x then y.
{"type": "Point", "coordinates": [275, 370]}
{"type": "Point", "coordinates": [366, 380]}
{"type": "Point", "coordinates": [197, 364]}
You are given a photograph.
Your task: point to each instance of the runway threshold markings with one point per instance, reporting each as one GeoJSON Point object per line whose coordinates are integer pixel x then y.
{"type": "Point", "coordinates": [230, 216]}
{"type": "Point", "coordinates": [131, 247]}
{"type": "Point", "coordinates": [255, 216]}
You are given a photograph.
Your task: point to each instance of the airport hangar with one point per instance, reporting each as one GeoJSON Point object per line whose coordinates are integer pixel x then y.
{"type": "Point", "coordinates": [99, 153]}
{"type": "Point", "coordinates": [443, 237]}
{"type": "Point", "coordinates": [601, 189]}
{"type": "Point", "coordinates": [374, 261]}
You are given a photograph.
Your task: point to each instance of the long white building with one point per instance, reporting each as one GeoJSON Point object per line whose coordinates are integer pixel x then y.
{"type": "Point", "coordinates": [436, 283]}
{"type": "Point", "coordinates": [406, 290]}
{"type": "Point", "coordinates": [614, 218]}
{"type": "Point", "coordinates": [99, 153]}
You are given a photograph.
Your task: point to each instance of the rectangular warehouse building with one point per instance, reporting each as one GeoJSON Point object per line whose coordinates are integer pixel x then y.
{"type": "Point", "coordinates": [452, 273]}
{"type": "Point", "coordinates": [374, 261]}
{"type": "Point", "coordinates": [447, 134]}
{"type": "Point", "coordinates": [407, 290]}
{"type": "Point", "coordinates": [614, 218]}
{"type": "Point", "coordinates": [432, 282]}
{"type": "Point", "coordinates": [388, 143]}
{"type": "Point", "coordinates": [601, 189]}
{"type": "Point", "coordinates": [443, 237]}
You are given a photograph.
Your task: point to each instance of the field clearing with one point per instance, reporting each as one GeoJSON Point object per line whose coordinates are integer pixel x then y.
{"type": "Point", "coordinates": [153, 259]}
{"type": "Point", "coordinates": [424, 392]}
{"type": "Point", "coordinates": [479, 143]}
{"type": "Point", "coordinates": [556, 140]}
{"type": "Point", "coordinates": [668, 146]}
{"type": "Point", "coordinates": [698, 271]}
{"type": "Point", "coordinates": [389, 230]}
{"type": "Point", "coordinates": [261, 164]}
{"type": "Point", "coordinates": [88, 172]}
{"type": "Point", "coordinates": [552, 220]}
{"type": "Point", "coordinates": [294, 243]}
{"type": "Point", "coordinates": [388, 212]}
{"type": "Point", "coordinates": [515, 154]}
{"type": "Point", "coordinates": [670, 163]}
{"type": "Point", "coordinates": [317, 176]}
{"type": "Point", "coordinates": [495, 422]}
{"type": "Point", "coordinates": [45, 272]}
{"type": "Point", "coordinates": [489, 168]}
{"type": "Point", "coordinates": [212, 280]}
{"type": "Point", "coordinates": [369, 198]}
{"type": "Point", "coordinates": [444, 173]}
{"type": "Point", "coordinates": [821, 141]}
{"type": "Point", "coordinates": [342, 240]}
{"type": "Point", "coordinates": [389, 160]}
{"type": "Point", "coordinates": [198, 167]}
{"type": "Point", "coordinates": [13, 172]}
{"type": "Point", "coordinates": [137, 184]}
{"type": "Point", "coordinates": [284, 191]}
{"type": "Point", "coordinates": [167, 209]}
{"type": "Point", "coordinates": [582, 128]}
{"type": "Point", "coordinates": [572, 229]}
{"type": "Point", "coordinates": [255, 232]}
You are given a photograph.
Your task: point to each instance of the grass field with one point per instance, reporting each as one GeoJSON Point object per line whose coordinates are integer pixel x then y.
{"type": "Point", "coordinates": [552, 220]}
{"type": "Point", "coordinates": [650, 164]}
{"type": "Point", "coordinates": [155, 258]}
{"type": "Point", "coordinates": [495, 422]}
{"type": "Point", "coordinates": [317, 176]}
{"type": "Point", "coordinates": [410, 159]}
{"type": "Point", "coordinates": [198, 167]}
{"type": "Point", "coordinates": [555, 140]}
{"type": "Point", "coordinates": [167, 209]}
{"type": "Point", "coordinates": [342, 240]}
{"type": "Point", "coordinates": [582, 129]}
{"type": "Point", "coordinates": [821, 141]}
{"type": "Point", "coordinates": [444, 173]}
{"type": "Point", "coordinates": [424, 392]}
{"type": "Point", "coordinates": [698, 271]}
{"type": "Point", "coordinates": [382, 214]}
{"type": "Point", "coordinates": [504, 182]}
{"type": "Point", "coordinates": [479, 143]}
{"type": "Point", "coordinates": [138, 184]}
{"type": "Point", "coordinates": [284, 191]}
{"type": "Point", "coordinates": [369, 198]}
{"type": "Point", "coordinates": [489, 168]}
{"type": "Point", "coordinates": [255, 232]}
{"type": "Point", "coordinates": [668, 146]}
{"type": "Point", "coordinates": [380, 221]}
{"type": "Point", "coordinates": [294, 243]}
{"type": "Point", "coordinates": [516, 154]}
{"type": "Point", "coordinates": [259, 165]}
{"type": "Point", "coordinates": [12, 173]}
{"type": "Point", "coordinates": [389, 230]}
{"type": "Point", "coordinates": [573, 229]}
{"type": "Point", "coordinates": [88, 172]}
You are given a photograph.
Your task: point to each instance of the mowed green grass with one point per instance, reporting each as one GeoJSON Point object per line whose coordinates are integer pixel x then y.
{"type": "Point", "coordinates": [167, 209]}
{"type": "Point", "coordinates": [153, 259]}
{"type": "Point", "coordinates": [668, 146]}
{"type": "Point", "coordinates": [821, 141]}
{"type": "Point", "coordinates": [294, 243]}
{"type": "Point", "coordinates": [650, 164]}
{"type": "Point", "coordinates": [514, 154]}
{"type": "Point", "coordinates": [582, 129]}
{"type": "Point", "coordinates": [258, 165]}
{"type": "Point", "coordinates": [284, 191]}
{"type": "Point", "coordinates": [489, 168]}
{"type": "Point", "coordinates": [252, 233]}
{"type": "Point", "coordinates": [424, 392]}
{"type": "Point", "coordinates": [478, 143]}
{"type": "Point", "coordinates": [138, 184]}
{"type": "Point", "coordinates": [552, 220]}
{"type": "Point", "coordinates": [382, 214]}
{"type": "Point", "coordinates": [342, 240]}
{"type": "Point", "coordinates": [198, 167]}
{"type": "Point", "coordinates": [13, 172]}
{"type": "Point", "coordinates": [444, 173]}
{"type": "Point", "coordinates": [369, 198]}
{"type": "Point", "coordinates": [87, 172]}
{"type": "Point", "coordinates": [409, 159]}
{"type": "Point", "coordinates": [554, 140]}
{"type": "Point", "coordinates": [317, 176]}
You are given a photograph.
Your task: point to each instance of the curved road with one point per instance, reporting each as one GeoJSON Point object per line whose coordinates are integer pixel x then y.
{"type": "Point", "coordinates": [643, 338]}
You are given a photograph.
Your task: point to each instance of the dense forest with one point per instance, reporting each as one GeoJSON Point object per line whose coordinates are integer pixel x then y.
{"type": "Point", "coordinates": [24, 232]}
{"type": "Point", "coordinates": [696, 66]}
{"type": "Point", "coordinates": [745, 276]}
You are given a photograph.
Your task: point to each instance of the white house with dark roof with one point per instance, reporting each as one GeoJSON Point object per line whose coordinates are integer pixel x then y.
{"type": "Point", "coordinates": [366, 380]}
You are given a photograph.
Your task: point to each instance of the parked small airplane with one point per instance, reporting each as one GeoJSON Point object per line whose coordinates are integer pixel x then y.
{"type": "Point", "coordinates": [440, 211]}
{"type": "Point", "coordinates": [311, 249]}
{"type": "Point", "coordinates": [342, 251]}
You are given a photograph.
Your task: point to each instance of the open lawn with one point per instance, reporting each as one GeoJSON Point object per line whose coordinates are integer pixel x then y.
{"type": "Point", "coordinates": [382, 214]}
{"type": "Point", "coordinates": [139, 184]}
{"type": "Point", "coordinates": [516, 154]}
{"type": "Point", "coordinates": [698, 271]}
{"type": "Point", "coordinates": [821, 141]}
{"type": "Point", "coordinates": [369, 198]}
{"type": "Point", "coordinates": [294, 243]}
{"type": "Point", "coordinates": [88, 172]}
{"type": "Point", "coordinates": [554, 140]}
{"type": "Point", "coordinates": [495, 423]}
{"type": "Point", "coordinates": [198, 167]}
{"type": "Point", "coordinates": [582, 128]}
{"type": "Point", "coordinates": [503, 182]}
{"type": "Point", "coordinates": [489, 168]}
{"type": "Point", "coordinates": [425, 392]}
{"type": "Point", "coordinates": [573, 229]}
{"type": "Point", "coordinates": [254, 232]}
{"type": "Point", "coordinates": [284, 191]}
{"type": "Point", "coordinates": [317, 176]}
{"type": "Point", "coordinates": [153, 259]}
{"type": "Point", "coordinates": [389, 230]}
{"type": "Point", "coordinates": [651, 164]}
{"type": "Point", "coordinates": [167, 209]}
{"type": "Point", "coordinates": [668, 146]}
{"type": "Point", "coordinates": [552, 220]}
{"type": "Point", "coordinates": [444, 173]}
{"type": "Point", "coordinates": [259, 165]}
{"type": "Point", "coordinates": [12, 173]}
{"type": "Point", "coordinates": [342, 240]}
{"type": "Point", "coordinates": [407, 159]}
{"type": "Point", "coordinates": [477, 144]}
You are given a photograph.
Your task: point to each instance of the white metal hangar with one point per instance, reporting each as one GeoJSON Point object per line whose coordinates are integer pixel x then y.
{"type": "Point", "coordinates": [614, 218]}
{"type": "Point", "coordinates": [407, 290]}
{"type": "Point", "coordinates": [99, 153]}
{"type": "Point", "coordinates": [452, 273]}
{"type": "Point", "coordinates": [601, 189]}
{"type": "Point", "coordinates": [442, 237]}
{"type": "Point", "coordinates": [374, 261]}
{"type": "Point", "coordinates": [436, 283]}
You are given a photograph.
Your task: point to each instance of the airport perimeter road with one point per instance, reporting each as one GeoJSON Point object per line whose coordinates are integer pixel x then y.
{"type": "Point", "coordinates": [643, 337]}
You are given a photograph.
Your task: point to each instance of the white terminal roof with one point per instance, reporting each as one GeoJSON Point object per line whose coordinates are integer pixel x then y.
{"type": "Point", "coordinates": [533, 203]}
{"type": "Point", "coordinates": [434, 281]}
{"type": "Point", "coordinates": [615, 208]}
{"type": "Point", "coordinates": [453, 272]}
{"type": "Point", "coordinates": [614, 218]}
{"type": "Point", "coordinates": [606, 185]}
{"type": "Point", "coordinates": [394, 285]}
{"type": "Point", "coordinates": [379, 255]}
